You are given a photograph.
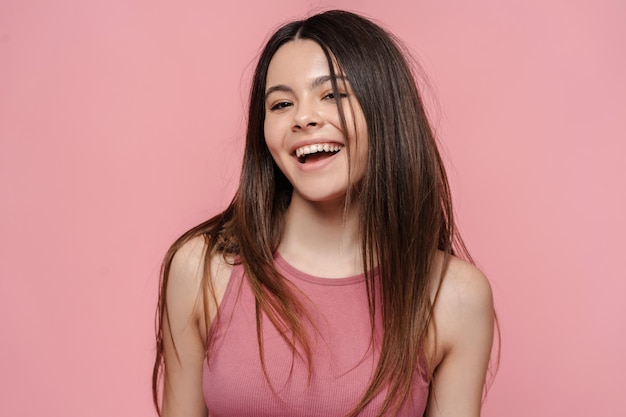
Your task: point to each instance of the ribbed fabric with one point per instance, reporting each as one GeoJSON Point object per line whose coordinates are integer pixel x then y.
{"type": "Point", "coordinates": [343, 358]}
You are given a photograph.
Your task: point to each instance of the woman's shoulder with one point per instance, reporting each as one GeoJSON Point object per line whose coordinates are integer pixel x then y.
{"type": "Point", "coordinates": [464, 304]}
{"type": "Point", "coordinates": [189, 262]}
{"type": "Point", "coordinates": [465, 284]}
{"type": "Point", "coordinates": [188, 275]}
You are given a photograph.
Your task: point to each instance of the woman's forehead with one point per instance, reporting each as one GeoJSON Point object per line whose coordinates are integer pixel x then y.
{"type": "Point", "coordinates": [301, 61]}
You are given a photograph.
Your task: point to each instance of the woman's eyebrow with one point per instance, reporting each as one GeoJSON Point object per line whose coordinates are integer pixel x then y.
{"type": "Point", "coordinates": [314, 84]}
{"type": "Point", "coordinates": [325, 78]}
{"type": "Point", "coordinates": [279, 87]}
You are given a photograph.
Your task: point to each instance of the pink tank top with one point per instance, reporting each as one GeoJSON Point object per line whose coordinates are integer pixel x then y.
{"type": "Point", "coordinates": [343, 357]}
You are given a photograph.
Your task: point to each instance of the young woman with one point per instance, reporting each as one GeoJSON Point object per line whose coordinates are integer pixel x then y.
{"type": "Point", "coordinates": [330, 285]}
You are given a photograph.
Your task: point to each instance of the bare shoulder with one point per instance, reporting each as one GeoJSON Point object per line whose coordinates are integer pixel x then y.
{"type": "Point", "coordinates": [464, 306]}
{"type": "Point", "coordinates": [187, 265]}
{"type": "Point", "coordinates": [187, 318]}
{"type": "Point", "coordinates": [465, 286]}
{"type": "Point", "coordinates": [463, 319]}
{"type": "Point", "coordinates": [186, 277]}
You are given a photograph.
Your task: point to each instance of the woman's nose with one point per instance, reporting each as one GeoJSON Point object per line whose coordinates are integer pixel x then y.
{"type": "Point", "coordinates": [306, 117]}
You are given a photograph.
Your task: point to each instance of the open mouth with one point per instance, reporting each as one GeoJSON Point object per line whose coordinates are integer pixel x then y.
{"type": "Point", "coordinates": [316, 152]}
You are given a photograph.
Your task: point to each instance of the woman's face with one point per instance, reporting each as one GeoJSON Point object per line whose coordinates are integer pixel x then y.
{"type": "Point", "coordinates": [303, 130]}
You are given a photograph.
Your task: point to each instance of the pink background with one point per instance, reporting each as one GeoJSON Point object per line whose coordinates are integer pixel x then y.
{"type": "Point", "coordinates": [121, 126]}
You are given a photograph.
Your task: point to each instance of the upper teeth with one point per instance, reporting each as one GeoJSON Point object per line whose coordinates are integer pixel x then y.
{"type": "Point", "coordinates": [321, 147]}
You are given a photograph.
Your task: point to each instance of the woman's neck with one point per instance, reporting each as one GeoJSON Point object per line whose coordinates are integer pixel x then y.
{"type": "Point", "coordinates": [322, 239]}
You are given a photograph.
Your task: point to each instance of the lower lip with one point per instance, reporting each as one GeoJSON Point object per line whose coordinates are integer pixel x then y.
{"type": "Point", "coordinates": [317, 165]}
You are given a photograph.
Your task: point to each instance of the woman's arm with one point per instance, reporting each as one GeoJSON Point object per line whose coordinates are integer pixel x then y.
{"type": "Point", "coordinates": [184, 348]}
{"type": "Point", "coordinates": [464, 321]}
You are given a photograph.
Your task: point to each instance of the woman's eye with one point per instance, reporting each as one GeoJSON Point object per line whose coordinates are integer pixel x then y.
{"type": "Point", "coordinates": [331, 95]}
{"type": "Point", "coordinates": [280, 105]}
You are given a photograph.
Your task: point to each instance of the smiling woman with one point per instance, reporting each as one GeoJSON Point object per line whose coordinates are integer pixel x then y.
{"type": "Point", "coordinates": [303, 128]}
{"type": "Point", "coordinates": [330, 285]}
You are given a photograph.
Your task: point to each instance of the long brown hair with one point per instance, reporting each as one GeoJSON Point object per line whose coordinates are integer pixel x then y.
{"type": "Point", "coordinates": [403, 201]}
